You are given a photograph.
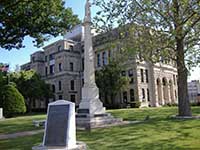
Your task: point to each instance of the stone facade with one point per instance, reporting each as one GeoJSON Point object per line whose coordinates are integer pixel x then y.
{"type": "Point", "coordinates": [61, 65]}
{"type": "Point", "coordinates": [194, 91]}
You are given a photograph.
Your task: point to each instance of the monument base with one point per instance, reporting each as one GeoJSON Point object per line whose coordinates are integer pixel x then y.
{"type": "Point", "coordinates": [1, 113]}
{"type": "Point", "coordinates": [88, 121]}
{"type": "Point", "coordinates": [79, 146]}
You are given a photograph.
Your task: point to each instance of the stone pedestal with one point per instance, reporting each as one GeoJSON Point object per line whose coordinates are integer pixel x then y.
{"type": "Point", "coordinates": [90, 102]}
{"type": "Point", "coordinates": [91, 113]}
{"type": "Point", "coordinates": [88, 121]}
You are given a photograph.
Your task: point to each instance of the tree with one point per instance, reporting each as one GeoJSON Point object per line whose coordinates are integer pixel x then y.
{"type": "Point", "coordinates": [37, 19]}
{"type": "Point", "coordinates": [110, 82]}
{"type": "Point", "coordinates": [160, 27]}
{"type": "Point", "coordinates": [31, 86]}
{"type": "Point", "coordinates": [12, 101]}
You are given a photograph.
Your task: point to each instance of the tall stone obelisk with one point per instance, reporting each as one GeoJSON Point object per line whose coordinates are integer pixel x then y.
{"type": "Point", "coordinates": [90, 93]}
{"type": "Point", "coordinates": [91, 113]}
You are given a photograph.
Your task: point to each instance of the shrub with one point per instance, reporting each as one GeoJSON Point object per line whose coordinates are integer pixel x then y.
{"type": "Point", "coordinates": [12, 101]}
{"type": "Point", "coordinates": [195, 104]}
{"type": "Point", "coordinates": [135, 104]}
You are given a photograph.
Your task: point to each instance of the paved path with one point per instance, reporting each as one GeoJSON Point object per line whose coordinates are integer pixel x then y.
{"type": "Point", "coordinates": [19, 134]}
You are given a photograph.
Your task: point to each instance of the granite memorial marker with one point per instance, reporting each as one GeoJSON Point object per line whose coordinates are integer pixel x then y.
{"type": "Point", "coordinates": [60, 129]}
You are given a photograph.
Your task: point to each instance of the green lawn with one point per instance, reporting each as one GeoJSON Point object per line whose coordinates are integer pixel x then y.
{"type": "Point", "coordinates": [160, 132]}
{"type": "Point", "coordinates": [18, 124]}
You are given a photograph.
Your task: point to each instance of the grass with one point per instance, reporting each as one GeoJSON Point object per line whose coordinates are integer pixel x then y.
{"type": "Point", "coordinates": [19, 124]}
{"type": "Point", "coordinates": [159, 133]}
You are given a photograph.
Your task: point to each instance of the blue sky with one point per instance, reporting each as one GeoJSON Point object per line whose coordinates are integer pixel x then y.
{"type": "Point", "coordinates": [21, 56]}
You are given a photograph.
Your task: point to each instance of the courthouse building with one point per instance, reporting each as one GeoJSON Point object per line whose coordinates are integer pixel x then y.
{"type": "Point", "coordinates": [61, 65]}
{"type": "Point", "coordinates": [194, 91]}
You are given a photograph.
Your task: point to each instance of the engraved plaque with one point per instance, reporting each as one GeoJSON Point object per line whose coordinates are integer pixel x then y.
{"type": "Point", "coordinates": [57, 125]}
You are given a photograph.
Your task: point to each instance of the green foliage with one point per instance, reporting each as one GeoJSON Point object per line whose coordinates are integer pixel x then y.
{"type": "Point", "coordinates": [38, 19]}
{"type": "Point", "coordinates": [32, 87]}
{"type": "Point", "coordinates": [110, 81]}
{"type": "Point", "coordinates": [12, 101]}
{"type": "Point", "coordinates": [135, 104]}
{"type": "Point", "coordinates": [150, 23]}
{"type": "Point", "coordinates": [3, 82]}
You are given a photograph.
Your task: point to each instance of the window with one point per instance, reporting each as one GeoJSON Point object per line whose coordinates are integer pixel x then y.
{"type": "Point", "coordinates": [52, 71]}
{"type": "Point", "coordinates": [109, 54]}
{"type": "Point", "coordinates": [132, 97]}
{"type": "Point", "coordinates": [46, 58]}
{"type": "Point", "coordinates": [71, 48]}
{"type": "Point", "coordinates": [125, 97]}
{"type": "Point", "coordinates": [71, 66]}
{"type": "Point", "coordinates": [130, 73]}
{"type": "Point", "coordinates": [140, 57]}
{"type": "Point", "coordinates": [83, 63]}
{"type": "Point", "coordinates": [142, 75]}
{"type": "Point", "coordinates": [123, 73]}
{"type": "Point", "coordinates": [60, 97]}
{"type": "Point", "coordinates": [51, 57]}
{"type": "Point", "coordinates": [46, 71]}
{"type": "Point", "coordinates": [59, 85]}
{"type": "Point", "coordinates": [104, 58]}
{"type": "Point", "coordinates": [147, 77]}
{"type": "Point", "coordinates": [73, 98]}
{"type": "Point", "coordinates": [59, 48]}
{"type": "Point", "coordinates": [148, 95]}
{"type": "Point", "coordinates": [72, 85]}
{"type": "Point", "coordinates": [143, 95]}
{"type": "Point", "coordinates": [174, 79]}
{"type": "Point", "coordinates": [82, 48]}
{"type": "Point", "coordinates": [53, 88]}
{"type": "Point", "coordinates": [82, 82]}
{"type": "Point", "coordinates": [60, 67]}
{"type": "Point", "coordinates": [131, 80]}
{"type": "Point", "coordinates": [175, 94]}
{"type": "Point", "coordinates": [98, 60]}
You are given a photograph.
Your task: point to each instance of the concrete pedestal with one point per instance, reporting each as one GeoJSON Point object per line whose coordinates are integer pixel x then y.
{"type": "Point", "coordinates": [79, 146]}
{"type": "Point", "coordinates": [88, 121]}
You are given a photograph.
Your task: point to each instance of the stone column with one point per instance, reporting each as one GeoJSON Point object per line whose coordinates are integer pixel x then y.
{"type": "Point", "coordinates": [162, 97]}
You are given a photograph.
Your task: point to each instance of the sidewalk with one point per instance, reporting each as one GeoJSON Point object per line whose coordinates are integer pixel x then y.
{"type": "Point", "coordinates": [19, 134]}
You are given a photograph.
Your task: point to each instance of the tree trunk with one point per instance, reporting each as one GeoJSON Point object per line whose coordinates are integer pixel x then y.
{"type": "Point", "coordinates": [183, 99]}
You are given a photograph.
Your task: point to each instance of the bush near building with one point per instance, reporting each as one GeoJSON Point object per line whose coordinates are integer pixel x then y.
{"type": "Point", "coordinates": [12, 101]}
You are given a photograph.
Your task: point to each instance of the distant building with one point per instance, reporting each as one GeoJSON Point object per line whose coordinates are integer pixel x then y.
{"type": "Point", "coordinates": [194, 91]}
{"type": "Point", "coordinates": [61, 65]}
